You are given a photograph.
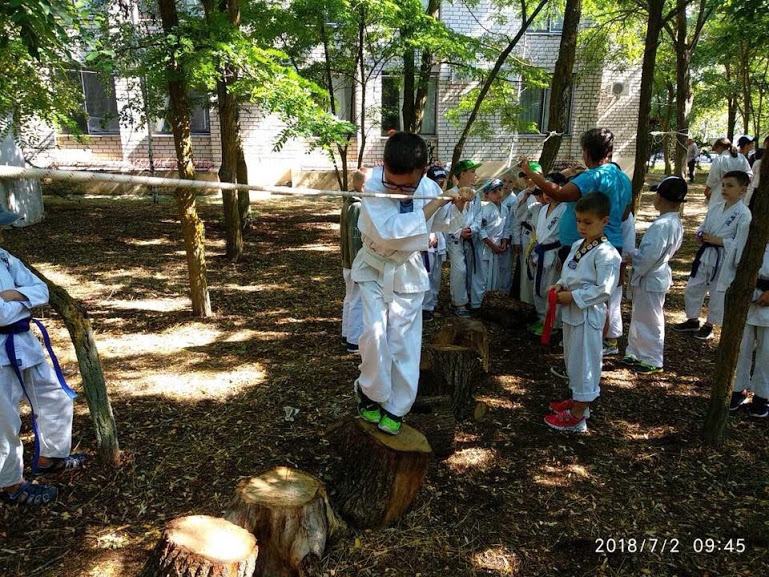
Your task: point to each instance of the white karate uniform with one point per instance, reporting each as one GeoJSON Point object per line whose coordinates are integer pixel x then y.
{"type": "Point", "coordinates": [526, 214]}
{"type": "Point", "coordinates": [614, 327]}
{"type": "Point", "coordinates": [51, 404]}
{"type": "Point", "coordinates": [435, 257]}
{"type": "Point", "coordinates": [352, 309]}
{"type": "Point", "coordinates": [591, 281]}
{"type": "Point", "coordinates": [513, 235]}
{"type": "Point", "coordinates": [651, 280]}
{"type": "Point", "coordinates": [722, 164]}
{"type": "Point", "coordinates": [755, 182]}
{"type": "Point", "coordinates": [463, 255]}
{"type": "Point", "coordinates": [755, 341]}
{"type": "Point", "coordinates": [547, 235]}
{"type": "Point", "coordinates": [393, 280]}
{"type": "Point", "coordinates": [492, 225]}
{"type": "Point", "coordinates": [726, 223]}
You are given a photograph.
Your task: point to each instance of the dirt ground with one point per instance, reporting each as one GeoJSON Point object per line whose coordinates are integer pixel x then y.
{"type": "Point", "coordinates": [200, 405]}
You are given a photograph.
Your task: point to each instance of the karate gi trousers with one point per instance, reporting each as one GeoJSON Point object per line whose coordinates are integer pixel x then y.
{"type": "Point", "coordinates": [696, 289]}
{"type": "Point", "coordinates": [614, 326]}
{"type": "Point", "coordinates": [52, 407]}
{"type": "Point", "coordinates": [646, 338]}
{"type": "Point", "coordinates": [459, 270]}
{"type": "Point", "coordinates": [505, 271]}
{"type": "Point", "coordinates": [755, 340]}
{"type": "Point", "coordinates": [352, 309]}
{"type": "Point", "coordinates": [435, 260]}
{"type": "Point", "coordinates": [583, 352]}
{"type": "Point", "coordinates": [390, 347]}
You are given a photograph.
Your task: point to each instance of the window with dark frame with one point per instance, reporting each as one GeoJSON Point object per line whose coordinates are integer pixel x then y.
{"type": "Point", "coordinates": [344, 98]}
{"type": "Point", "coordinates": [535, 109]}
{"type": "Point", "coordinates": [392, 105]}
{"type": "Point", "coordinates": [553, 24]}
{"type": "Point", "coordinates": [99, 114]}
{"type": "Point", "coordinates": [200, 120]}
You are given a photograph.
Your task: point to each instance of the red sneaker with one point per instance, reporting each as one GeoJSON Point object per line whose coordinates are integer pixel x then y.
{"type": "Point", "coordinates": [561, 406]}
{"type": "Point", "coordinates": [565, 421]}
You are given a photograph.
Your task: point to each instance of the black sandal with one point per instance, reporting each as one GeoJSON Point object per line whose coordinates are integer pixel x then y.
{"type": "Point", "coordinates": [61, 464]}
{"type": "Point", "coordinates": [31, 495]}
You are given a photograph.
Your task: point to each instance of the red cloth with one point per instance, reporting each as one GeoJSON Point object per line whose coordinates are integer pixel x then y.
{"type": "Point", "coordinates": [552, 304]}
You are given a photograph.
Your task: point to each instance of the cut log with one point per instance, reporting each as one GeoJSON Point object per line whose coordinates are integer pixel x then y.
{"type": "Point", "coordinates": [202, 546]}
{"type": "Point", "coordinates": [457, 372]}
{"type": "Point", "coordinates": [507, 312]}
{"type": "Point", "coordinates": [379, 474]}
{"type": "Point", "coordinates": [433, 416]}
{"type": "Point", "coordinates": [468, 333]}
{"type": "Point", "coordinates": [289, 513]}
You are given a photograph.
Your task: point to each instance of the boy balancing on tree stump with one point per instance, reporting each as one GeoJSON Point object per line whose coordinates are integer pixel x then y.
{"type": "Point", "coordinates": [588, 277]}
{"type": "Point", "coordinates": [25, 374]}
{"type": "Point", "coordinates": [393, 279]}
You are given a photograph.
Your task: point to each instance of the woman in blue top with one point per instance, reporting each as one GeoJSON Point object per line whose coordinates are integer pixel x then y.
{"type": "Point", "coordinates": [601, 176]}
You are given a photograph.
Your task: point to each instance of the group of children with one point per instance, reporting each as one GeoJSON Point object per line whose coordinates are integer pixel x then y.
{"type": "Point", "coordinates": [570, 235]}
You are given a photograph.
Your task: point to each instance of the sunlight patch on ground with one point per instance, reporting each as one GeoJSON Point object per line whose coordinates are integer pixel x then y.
{"type": "Point", "coordinates": [498, 559]}
{"type": "Point", "coordinates": [512, 384]}
{"type": "Point", "coordinates": [201, 384]}
{"type": "Point", "coordinates": [313, 248]}
{"type": "Point", "coordinates": [76, 286]}
{"type": "Point", "coordinates": [112, 567]}
{"type": "Point", "coordinates": [152, 242]}
{"type": "Point", "coordinates": [256, 288]}
{"type": "Point", "coordinates": [476, 459]}
{"type": "Point", "coordinates": [161, 305]}
{"type": "Point", "coordinates": [550, 476]}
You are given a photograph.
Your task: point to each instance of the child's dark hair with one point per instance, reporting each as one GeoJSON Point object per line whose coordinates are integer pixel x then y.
{"type": "Point", "coordinates": [598, 143]}
{"type": "Point", "coordinates": [740, 176]}
{"type": "Point", "coordinates": [404, 153]}
{"type": "Point", "coordinates": [595, 203]}
{"type": "Point", "coordinates": [557, 178]}
{"type": "Point", "coordinates": [726, 144]}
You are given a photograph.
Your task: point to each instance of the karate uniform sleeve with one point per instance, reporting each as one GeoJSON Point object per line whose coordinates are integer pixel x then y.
{"type": "Point", "coordinates": [647, 255]}
{"type": "Point", "coordinates": [381, 220]}
{"type": "Point", "coordinates": [628, 234]}
{"type": "Point", "coordinates": [607, 273]}
{"type": "Point", "coordinates": [27, 284]}
{"type": "Point", "coordinates": [743, 225]}
{"type": "Point", "coordinates": [448, 218]}
{"type": "Point", "coordinates": [737, 244]}
{"type": "Point", "coordinates": [12, 311]}
{"type": "Point", "coordinates": [478, 222]}
{"type": "Point", "coordinates": [475, 224]}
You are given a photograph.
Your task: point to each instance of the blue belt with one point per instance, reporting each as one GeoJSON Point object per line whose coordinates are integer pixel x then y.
{"type": "Point", "coordinates": [472, 249]}
{"type": "Point", "coordinates": [17, 328]}
{"type": "Point", "coordinates": [540, 250]}
{"type": "Point", "coordinates": [698, 258]}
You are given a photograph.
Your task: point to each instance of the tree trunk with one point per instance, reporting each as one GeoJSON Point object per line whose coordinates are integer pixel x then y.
{"type": "Point", "coordinates": [738, 299]}
{"type": "Point", "coordinates": [409, 87]}
{"type": "Point", "coordinates": [363, 83]}
{"type": "Point", "coordinates": [434, 417]}
{"type": "Point", "coordinates": [683, 89]}
{"type": "Point", "coordinates": [75, 318]}
{"type": "Point", "coordinates": [416, 84]}
{"type": "Point", "coordinates": [653, 28]}
{"type": "Point", "coordinates": [289, 513]}
{"type": "Point", "coordinates": [561, 84]}
{"type": "Point", "coordinates": [457, 372]}
{"type": "Point", "coordinates": [244, 196]}
{"type": "Point", "coordinates": [192, 227]}
{"type": "Point", "coordinates": [468, 333]}
{"type": "Point", "coordinates": [667, 128]}
{"type": "Point", "coordinates": [492, 76]}
{"type": "Point", "coordinates": [202, 546]}
{"type": "Point", "coordinates": [731, 103]}
{"type": "Point", "coordinates": [379, 475]}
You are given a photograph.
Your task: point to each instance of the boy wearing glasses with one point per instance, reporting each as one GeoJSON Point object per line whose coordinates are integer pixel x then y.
{"type": "Point", "coordinates": [393, 279]}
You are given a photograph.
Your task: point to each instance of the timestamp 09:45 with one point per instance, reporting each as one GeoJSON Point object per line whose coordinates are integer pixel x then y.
{"type": "Point", "coordinates": [668, 545]}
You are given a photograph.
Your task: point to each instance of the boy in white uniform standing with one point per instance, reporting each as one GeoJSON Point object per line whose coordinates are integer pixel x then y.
{"type": "Point", "coordinates": [352, 310]}
{"type": "Point", "coordinates": [652, 278]}
{"type": "Point", "coordinates": [716, 234]}
{"type": "Point", "coordinates": [24, 374]}
{"type": "Point", "coordinates": [506, 259]}
{"type": "Point", "coordinates": [588, 278]}
{"type": "Point", "coordinates": [460, 243]}
{"type": "Point", "coordinates": [435, 254]}
{"type": "Point", "coordinates": [393, 279]}
{"type": "Point", "coordinates": [493, 233]}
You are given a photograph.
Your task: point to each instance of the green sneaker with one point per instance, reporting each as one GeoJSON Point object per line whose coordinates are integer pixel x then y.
{"type": "Point", "coordinates": [390, 424]}
{"type": "Point", "coordinates": [536, 328]}
{"type": "Point", "coordinates": [646, 369]}
{"type": "Point", "coordinates": [371, 414]}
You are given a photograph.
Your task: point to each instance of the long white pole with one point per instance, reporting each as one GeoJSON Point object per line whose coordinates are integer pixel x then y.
{"type": "Point", "coordinates": [17, 172]}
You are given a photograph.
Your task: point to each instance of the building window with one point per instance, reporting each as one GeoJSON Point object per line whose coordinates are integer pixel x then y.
{"type": "Point", "coordinates": [200, 122]}
{"type": "Point", "coordinates": [551, 24]}
{"type": "Point", "coordinates": [344, 98]}
{"type": "Point", "coordinates": [99, 113]}
{"type": "Point", "coordinates": [392, 105]}
{"type": "Point", "coordinates": [535, 110]}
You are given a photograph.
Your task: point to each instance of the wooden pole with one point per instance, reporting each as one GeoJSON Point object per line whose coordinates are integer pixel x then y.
{"type": "Point", "coordinates": [738, 298]}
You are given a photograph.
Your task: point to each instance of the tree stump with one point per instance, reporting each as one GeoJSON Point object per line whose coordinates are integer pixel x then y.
{"type": "Point", "coordinates": [289, 513]}
{"type": "Point", "coordinates": [507, 312]}
{"type": "Point", "coordinates": [433, 416]}
{"type": "Point", "coordinates": [468, 333]}
{"type": "Point", "coordinates": [379, 474]}
{"type": "Point", "coordinates": [457, 372]}
{"type": "Point", "coordinates": [202, 546]}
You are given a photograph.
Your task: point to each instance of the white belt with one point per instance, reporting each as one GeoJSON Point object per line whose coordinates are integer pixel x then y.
{"type": "Point", "coordinates": [386, 267]}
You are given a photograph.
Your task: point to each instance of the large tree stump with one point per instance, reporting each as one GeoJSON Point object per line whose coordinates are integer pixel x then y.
{"type": "Point", "coordinates": [507, 312]}
{"type": "Point", "coordinates": [457, 372]}
{"type": "Point", "coordinates": [434, 417]}
{"type": "Point", "coordinates": [289, 513]}
{"type": "Point", "coordinates": [202, 546]}
{"type": "Point", "coordinates": [468, 333]}
{"type": "Point", "coordinates": [379, 474]}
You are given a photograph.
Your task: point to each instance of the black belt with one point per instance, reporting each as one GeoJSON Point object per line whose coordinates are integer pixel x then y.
{"type": "Point", "coordinates": [762, 284]}
{"type": "Point", "coordinates": [698, 257]}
